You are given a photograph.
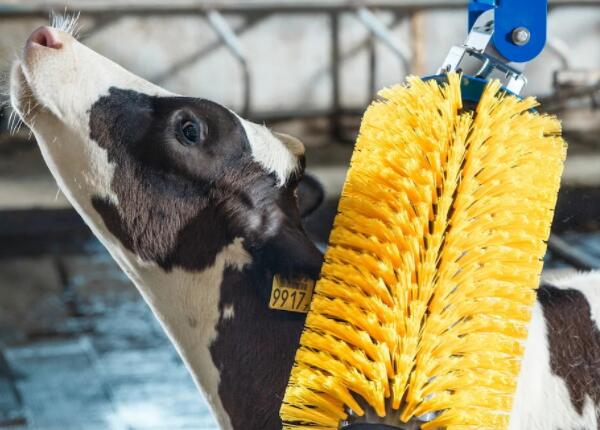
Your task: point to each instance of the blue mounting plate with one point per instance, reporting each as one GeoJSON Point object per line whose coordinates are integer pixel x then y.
{"type": "Point", "coordinates": [471, 88]}
{"type": "Point", "coordinates": [510, 15]}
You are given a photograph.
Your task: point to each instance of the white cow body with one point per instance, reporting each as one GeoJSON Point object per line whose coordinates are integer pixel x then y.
{"type": "Point", "coordinates": [542, 400]}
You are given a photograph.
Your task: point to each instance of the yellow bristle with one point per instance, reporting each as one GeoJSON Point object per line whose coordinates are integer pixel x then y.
{"type": "Point", "coordinates": [430, 275]}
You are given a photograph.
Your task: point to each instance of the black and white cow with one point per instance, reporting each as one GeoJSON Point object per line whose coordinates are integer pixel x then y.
{"type": "Point", "coordinates": [198, 207]}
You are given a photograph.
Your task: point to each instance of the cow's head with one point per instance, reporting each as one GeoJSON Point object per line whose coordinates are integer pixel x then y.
{"type": "Point", "coordinates": [168, 179]}
{"type": "Point", "coordinates": [196, 204]}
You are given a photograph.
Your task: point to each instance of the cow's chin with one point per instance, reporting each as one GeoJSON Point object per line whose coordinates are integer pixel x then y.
{"type": "Point", "coordinates": [22, 98]}
{"type": "Point", "coordinates": [79, 166]}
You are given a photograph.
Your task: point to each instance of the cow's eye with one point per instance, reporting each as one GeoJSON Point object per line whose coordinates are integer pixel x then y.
{"type": "Point", "coordinates": [192, 132]}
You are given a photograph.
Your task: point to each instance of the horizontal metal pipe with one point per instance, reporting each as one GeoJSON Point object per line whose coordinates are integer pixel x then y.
{"type": "Point", "coordinates": [183, 7]}
{"type": "Point", "coordinates": [383, 34]}
{"type": "Point", "coordinates": [572, 255]}
{"type": "Point", "coordinates": [304, 113]}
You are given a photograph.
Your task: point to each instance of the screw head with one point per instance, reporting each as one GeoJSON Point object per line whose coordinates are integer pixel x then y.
{"type": "Point", "coordinates": [521, 36]}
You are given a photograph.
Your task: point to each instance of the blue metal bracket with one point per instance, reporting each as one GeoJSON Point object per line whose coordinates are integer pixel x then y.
{"type": "Point", "coordinates": [503, 36]}
{"type": "Point", "coordinates": [471, 88]}
{"type": "Point", "coordinates": [510, 17]}
{"type": "Point", "coordinates": [476, 8]}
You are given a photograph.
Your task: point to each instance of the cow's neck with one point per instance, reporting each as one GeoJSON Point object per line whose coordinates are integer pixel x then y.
{"type": "Point", "coordinates": [238, 351]}
{"type": "Point", "coordinates": [254, 351]}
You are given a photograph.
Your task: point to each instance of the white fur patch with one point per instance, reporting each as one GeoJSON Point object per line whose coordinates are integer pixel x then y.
{"type": "Point", "coordinates": [542, 400]}
{"type": "Point", "coordinates": [186, 303]}
{"type": "Point", "coordinates": [589, 285]}
{"type": "Point", "coordinates": [178, 296]}
{"type": "Point", "coordinates": [228, 312]}
{"type": "Point", "coordinates": [271, 152]}
{"type": "Point", "coordinates": [61, 121]}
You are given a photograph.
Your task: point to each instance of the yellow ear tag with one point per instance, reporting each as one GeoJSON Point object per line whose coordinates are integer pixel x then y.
{"type": "Point", "coordinates": [292, 296]}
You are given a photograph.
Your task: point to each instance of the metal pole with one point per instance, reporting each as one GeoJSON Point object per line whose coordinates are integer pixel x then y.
{"type": "Point", "coordinates": [230, 39]}
{"type": "Point", "coordinates": [574, 256]}
{"type": "Point", "coordinates": [335, 75]}
{"type": "Point", "coordinates": [372, 50]}
{"type": "Point", "coordinates": [379, 30]}
{"type": "Point", "coordinates": [417, 43]}
{"type": "Point", "coordinates": [185, 7]}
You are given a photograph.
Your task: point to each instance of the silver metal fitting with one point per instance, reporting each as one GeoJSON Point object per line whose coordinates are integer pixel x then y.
{"type": "Point", "coordinates": [521, 36]}
{"type": "Point", "coordinates": [477, 56]}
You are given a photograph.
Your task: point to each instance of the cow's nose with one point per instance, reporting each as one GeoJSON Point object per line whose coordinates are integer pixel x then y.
{"type": "Point", "coordinates": [45, 36]}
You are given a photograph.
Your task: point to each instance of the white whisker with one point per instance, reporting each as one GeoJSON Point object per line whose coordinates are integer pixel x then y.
{"type": "Point", "coordinates": [12, 112]}
{"type": "Point", "coordinates": [13, 130]}
{"type": "Point", "coordinates": [12, 121]}
{"type": "Point", "coordinates": [19, 125]}
{"type": "Point", "coordinates": [67, 22]}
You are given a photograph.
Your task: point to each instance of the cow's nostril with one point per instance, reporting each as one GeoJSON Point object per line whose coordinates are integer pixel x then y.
{"type": "Point", "coordinates": [45, 36]}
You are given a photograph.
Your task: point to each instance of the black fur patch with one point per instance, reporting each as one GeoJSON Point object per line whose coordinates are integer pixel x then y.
{"type": "Point", "coordinates": [179, 206]}
{"type": "Point", "coordinates": [574, 342]}
{"type": "Point", "coordinates": [254, 353]}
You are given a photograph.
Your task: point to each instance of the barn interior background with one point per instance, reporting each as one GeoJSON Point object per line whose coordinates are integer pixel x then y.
{"type": "Point", "coordinates": [78, 348]}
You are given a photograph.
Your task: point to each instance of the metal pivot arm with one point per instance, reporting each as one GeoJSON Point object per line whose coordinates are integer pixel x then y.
{"type": "Point", "coordinates": [230, 39]}
{"type": "Point", "coordinates": [477, 59]}
{"type": "Point", "coordinates": [503, 36]}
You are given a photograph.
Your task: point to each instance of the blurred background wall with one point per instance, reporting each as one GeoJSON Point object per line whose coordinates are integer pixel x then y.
{"type": "Point", "coordinates": [78, 347]}
{"type": "Point", "coordinates": [288, 54]}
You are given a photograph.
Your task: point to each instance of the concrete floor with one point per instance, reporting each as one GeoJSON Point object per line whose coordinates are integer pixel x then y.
{"type": "Point", "coordinates": [82, 351]}
{"type": "Point", "coordinates": [86, 353]}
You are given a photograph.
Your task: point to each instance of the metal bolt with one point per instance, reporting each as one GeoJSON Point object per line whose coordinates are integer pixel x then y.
{"type": "Point", "coordinates": [521, 36]}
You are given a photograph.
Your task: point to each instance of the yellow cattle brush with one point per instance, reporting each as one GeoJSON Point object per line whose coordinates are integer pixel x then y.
{"type": "Point", "coordinates": [424, 298]}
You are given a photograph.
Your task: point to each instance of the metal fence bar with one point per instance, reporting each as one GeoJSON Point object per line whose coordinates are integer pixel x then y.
{"type": "Point", "coordinates": [260, 9]}
{"type": "Point", "coordinates": [232, 42]}
{"type": "Point", "coordinates": [379, 30]}
{"type": "Point", "coordinates": [372, 51]}
{"type": "Point", "coordinates": [570, 254]}
{"type": "Point", "coordinates": [189, 6]}
{"type": "Point", "coordinates": [335, 48]}
{"type": "Point", "coordinates": [199, 54]}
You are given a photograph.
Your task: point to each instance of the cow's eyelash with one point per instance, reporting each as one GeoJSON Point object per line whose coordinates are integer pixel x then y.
{"type": "Point", "coordinates": [67, 22]}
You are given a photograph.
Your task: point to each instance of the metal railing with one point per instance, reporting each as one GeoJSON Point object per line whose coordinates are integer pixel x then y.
{"type": "Point", "coordinates": [216, 14]}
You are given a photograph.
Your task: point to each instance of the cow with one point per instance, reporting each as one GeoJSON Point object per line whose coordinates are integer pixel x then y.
{"type": "Point", "coordinates": [198, 207]}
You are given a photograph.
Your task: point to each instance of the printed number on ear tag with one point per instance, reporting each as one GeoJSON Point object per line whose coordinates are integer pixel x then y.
{"type": "Point", "coordinates": [293, 296]}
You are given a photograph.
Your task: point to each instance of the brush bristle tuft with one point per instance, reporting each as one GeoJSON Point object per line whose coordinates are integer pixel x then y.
{"type": "Point", "coordinates": [425, 296]}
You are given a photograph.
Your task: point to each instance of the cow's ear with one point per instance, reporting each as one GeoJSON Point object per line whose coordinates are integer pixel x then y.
{"type": "Point", "coordinates": [291, 256]}
{"type": "Point", "coordinates": [294, 255]}
{"type": "Point", "coordinates": [310, 195]}
{"type": "Point", "coordinates": [294, 144]}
